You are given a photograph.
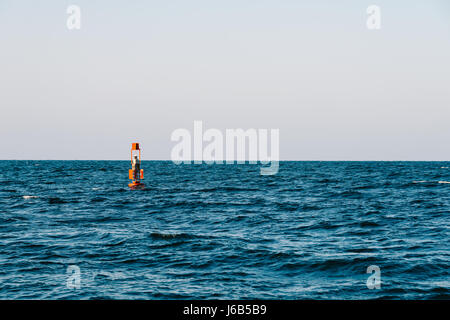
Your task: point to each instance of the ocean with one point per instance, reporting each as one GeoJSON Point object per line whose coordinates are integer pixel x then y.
{"type": "Point", "coordinates": [74, 230]}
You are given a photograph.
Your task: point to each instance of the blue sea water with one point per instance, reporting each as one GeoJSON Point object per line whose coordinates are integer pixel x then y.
{"type": "Point", "coordinates": [224, 231]}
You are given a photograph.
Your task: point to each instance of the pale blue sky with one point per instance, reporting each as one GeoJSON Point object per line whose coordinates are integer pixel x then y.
{"type": "Point", "coordinates": [137, 70]}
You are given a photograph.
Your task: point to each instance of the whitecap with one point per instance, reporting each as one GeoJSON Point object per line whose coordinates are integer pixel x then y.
{"type": "Point", "coordinates": [444, 181]}
{"type": "Point", "coordinates": [30, 197]}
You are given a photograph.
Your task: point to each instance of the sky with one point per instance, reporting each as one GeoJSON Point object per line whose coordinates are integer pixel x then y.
{"type": "Point", "coordinates": [138, 70]}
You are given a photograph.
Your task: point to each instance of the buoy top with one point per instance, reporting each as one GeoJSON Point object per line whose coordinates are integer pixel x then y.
{"type": "Point", "coordinates": [135, 146]}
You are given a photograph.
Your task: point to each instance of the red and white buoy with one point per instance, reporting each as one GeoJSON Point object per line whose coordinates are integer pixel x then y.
{"type": "Point", "coordinates": [136, 174]}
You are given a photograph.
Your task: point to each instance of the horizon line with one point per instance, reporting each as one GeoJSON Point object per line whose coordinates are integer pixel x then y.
{"type": "Point", "coordinates": [224, 161]}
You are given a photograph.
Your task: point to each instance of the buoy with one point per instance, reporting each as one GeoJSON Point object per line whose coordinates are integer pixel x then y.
{"type": "Point", "coordinates": [136, 174]}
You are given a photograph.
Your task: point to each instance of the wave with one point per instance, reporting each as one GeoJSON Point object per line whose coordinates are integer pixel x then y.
{"type": "Point", "coordinates": [30, 197]}
{"type": "Point", "coordinates": [98, 199]}
{"type": "Point", "coordinates": [56, 200]}
{"type": "Point", "coordinates": [314, 222]}
{"type": "Point", "coordinates": [168, 236]}
{"type": "Point", "coordinates": [431, 182]}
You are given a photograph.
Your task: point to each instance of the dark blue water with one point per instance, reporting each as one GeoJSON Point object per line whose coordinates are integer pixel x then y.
{"type": "Point", "coordinates": [224, 231]}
